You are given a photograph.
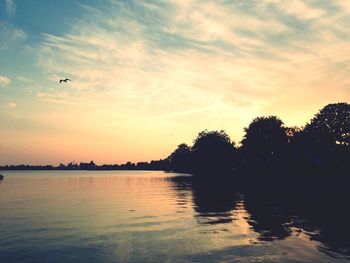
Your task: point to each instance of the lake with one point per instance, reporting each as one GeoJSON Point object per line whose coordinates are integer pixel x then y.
{"type": "Point", "coordinates": [152, 216]}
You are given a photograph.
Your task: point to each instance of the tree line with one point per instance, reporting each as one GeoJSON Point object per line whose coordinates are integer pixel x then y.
{"type": "Point", "coordinates": [268, 146]}
{"type": "Point", "coordinates": [322, 146]}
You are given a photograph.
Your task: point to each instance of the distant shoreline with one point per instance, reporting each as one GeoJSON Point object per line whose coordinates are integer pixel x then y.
{"type": "Point", "coordinates": [56, 169]}
{"type": "Point", "coordinates": [91, 166]}
{"type": "Point", "coordinates": [322, 146]}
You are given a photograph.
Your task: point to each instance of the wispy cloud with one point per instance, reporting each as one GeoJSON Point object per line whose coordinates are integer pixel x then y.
{"type": "Point", "coordinates": [24, 79]}
{"type": "Point", "coordinates": [10, 7]}
{"type": "Point", "coordinates": [10, 36]}
{"type": "Point", "coordinates": [4, 81]}
{"type": "Point", "coordinates": [174, 58]}
{"type": "Point", "coordinates": [12, 104]}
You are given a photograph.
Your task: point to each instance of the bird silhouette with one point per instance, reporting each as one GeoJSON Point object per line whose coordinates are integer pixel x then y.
{"type": "Point", "coordinates": [64, 80]}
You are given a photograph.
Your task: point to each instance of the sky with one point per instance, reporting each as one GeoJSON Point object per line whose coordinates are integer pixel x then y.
{"type": "Point", "coordinates": [149, 75]}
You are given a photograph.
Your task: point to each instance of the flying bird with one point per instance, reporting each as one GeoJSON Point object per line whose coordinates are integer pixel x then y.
{"type": "Point", "coordinates": [64, 80]}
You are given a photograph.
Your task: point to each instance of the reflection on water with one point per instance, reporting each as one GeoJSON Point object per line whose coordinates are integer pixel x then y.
{"type": "Point", "coordinates": [313, 221]}
{"type": "Point", "coordinates": [156, 217]}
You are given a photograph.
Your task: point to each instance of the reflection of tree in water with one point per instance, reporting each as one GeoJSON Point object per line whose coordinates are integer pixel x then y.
{"type": "Point", "coordinates": [321, 214]}
{"type": "Point", "coordinates": [276, 214]}
{"type": "Point", "coordinates": [335, 238]}
{"type": "Point", "coordinates": [267, 217]}
{"type": "Point", "coordinates": [325, 218]}
{"type": "Point", "coordinates": [214, 202]}
{"type": "Point", "coordinates": [182, 185]}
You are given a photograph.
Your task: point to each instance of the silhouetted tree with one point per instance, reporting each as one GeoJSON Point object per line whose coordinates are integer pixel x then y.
{"type": "Point", "coordinates": [323, 145]}
{"type": "Point", "coordinates": [213, 151]}
{"type": "Point", "coordinates": [264, 141]}
{"type": "Point", "coordinates": [180, 159]}
{"type": "Point", "coordinates": [331, 125]}
{"type": "Point", "coordinates": [159, 165]}
{"type": "Point", "coordinates": [87, 166]}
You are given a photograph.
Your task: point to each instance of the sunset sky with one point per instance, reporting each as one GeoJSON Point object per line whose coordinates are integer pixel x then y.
{"type": "Point", "coordinates": [149, 75]}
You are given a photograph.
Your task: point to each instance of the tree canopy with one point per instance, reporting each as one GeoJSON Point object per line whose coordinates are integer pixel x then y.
{"type": "Point", "coordinates": [213, 150]}
{"type": "Point", "coordinates": [180, 159]}
{"type": "Point", "coordinates": [264, 136]}
{"type": "Point", "coordinates": [331, 125]}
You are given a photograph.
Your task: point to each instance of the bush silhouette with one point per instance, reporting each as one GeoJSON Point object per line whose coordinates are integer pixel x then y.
{"type": "Point", "coordinates": [213, 151]}
{"type": "Point", "coordinates": [180, 159]}
{"type": "Point", "coordinates": [264, 141]}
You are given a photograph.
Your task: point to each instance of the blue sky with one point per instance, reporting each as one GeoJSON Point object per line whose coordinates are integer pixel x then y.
{"type": "Point", "coordinates": [148, 75]}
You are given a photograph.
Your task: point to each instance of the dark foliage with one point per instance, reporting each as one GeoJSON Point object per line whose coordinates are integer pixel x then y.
{"type": "Point", "coordinates": [213, 151]}
{"type": "Point", "coordinates": [331, 125]}
{"type": "Point", "coordinates": [264, 142]}
{"type": "Point", "coordinates": [181, 159]}
{"type": "Point", "coordinates": [323, 145]}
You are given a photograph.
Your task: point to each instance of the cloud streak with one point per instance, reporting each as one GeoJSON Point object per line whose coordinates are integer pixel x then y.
{"type": "Point", "coordinates": [10, 7]}
{"type": "Point", "coordinates": [159, 56]}
{"type": "Point", "coordinates": [4, 81]}
{"type": "Point", "coordinates": [12, 104]}
{"type": "Point", "coordinates": [10, 36]}
{"type": "Point", "coordinates": [196, 48]}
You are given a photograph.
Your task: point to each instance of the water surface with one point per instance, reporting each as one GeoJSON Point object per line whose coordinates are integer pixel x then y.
{"type": "Point", "coordinates": [141, 216]}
